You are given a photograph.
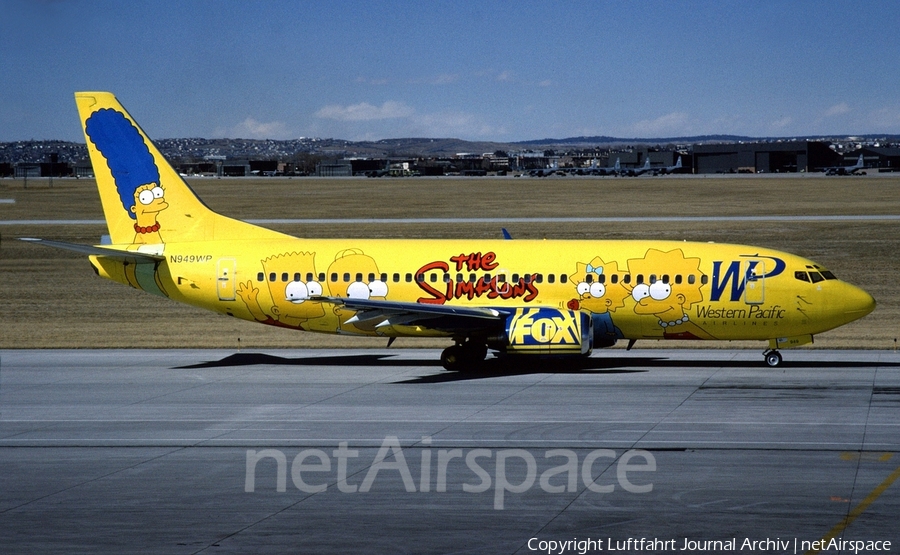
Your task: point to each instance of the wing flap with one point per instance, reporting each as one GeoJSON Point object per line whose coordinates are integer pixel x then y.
{"type": "Point", "coordinates": [453, 319]}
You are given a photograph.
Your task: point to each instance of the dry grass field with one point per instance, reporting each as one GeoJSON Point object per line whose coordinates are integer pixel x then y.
{"type": "Point", "coordinates": [52, 299]}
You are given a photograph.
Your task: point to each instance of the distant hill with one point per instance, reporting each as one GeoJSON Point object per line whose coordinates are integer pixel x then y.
{"type": "Point", "coordinates": [284, 150]}
{"type": "Point", "coordinates": [605, 140]}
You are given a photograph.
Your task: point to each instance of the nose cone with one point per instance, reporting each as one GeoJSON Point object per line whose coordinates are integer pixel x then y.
{"type": "Point", "coordinates": [857, 303]}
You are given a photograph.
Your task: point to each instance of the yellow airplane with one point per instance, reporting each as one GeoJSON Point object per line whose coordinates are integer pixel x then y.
{"type": "Point", "coordinates": [551, 298]}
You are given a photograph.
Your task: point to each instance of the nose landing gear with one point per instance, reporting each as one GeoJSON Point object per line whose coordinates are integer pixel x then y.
{"type": "Point", "coordinates": [773, 357]}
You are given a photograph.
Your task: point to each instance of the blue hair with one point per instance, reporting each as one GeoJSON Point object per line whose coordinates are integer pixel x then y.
{"type": "Point", "coordinates": [126, 153]}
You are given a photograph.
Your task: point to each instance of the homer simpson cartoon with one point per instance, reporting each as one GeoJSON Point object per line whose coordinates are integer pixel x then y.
{"type": "Point", "coordinates": [354, 275]}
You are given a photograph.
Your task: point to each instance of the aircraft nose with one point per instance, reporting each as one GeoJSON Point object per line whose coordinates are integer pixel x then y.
{"type": "Point", "coordinates": [857, 303]}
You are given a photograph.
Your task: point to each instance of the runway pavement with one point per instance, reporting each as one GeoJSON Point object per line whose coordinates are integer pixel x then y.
{"type": "Point", "coordinates": [382, 451]}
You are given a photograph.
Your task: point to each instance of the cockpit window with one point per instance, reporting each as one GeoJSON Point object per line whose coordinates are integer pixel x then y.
{"type": "Point", "coordinates": [802, 276]}
{"type": "Point", "coordinates": [816, 277]}
{"type": "Point", "coordinates": [828, 275]}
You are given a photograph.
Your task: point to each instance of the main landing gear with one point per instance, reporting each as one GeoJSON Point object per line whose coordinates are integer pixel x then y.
{"type": "Point", "coordinates": [464, 355]}
{"type": "Point", "coordinates": [773, 357]}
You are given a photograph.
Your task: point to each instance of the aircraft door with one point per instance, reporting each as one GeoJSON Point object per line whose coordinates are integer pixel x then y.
{"type": "Point", "coordinates": [225, 269]}
{"type": "Point", "coordinates": [755, 282]}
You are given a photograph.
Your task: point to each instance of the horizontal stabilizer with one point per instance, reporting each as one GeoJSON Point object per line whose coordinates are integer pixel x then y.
{"type": "Point", "coordinates": [128, 256]}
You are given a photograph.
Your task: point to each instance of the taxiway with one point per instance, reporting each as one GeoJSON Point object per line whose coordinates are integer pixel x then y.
{"type": "Point", "coordinates": [382, 451]}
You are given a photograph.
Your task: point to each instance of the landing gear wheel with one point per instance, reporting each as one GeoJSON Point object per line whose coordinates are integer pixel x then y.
{"type": "Point", "coordinates": [773, 358]}
{"type": "Point", "coordinates": [464, 356]}
{"type": "Point", "coordinates": [453, 357]}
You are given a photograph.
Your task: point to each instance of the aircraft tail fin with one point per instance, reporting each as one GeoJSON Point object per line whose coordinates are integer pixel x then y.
{"type": "Point", "coordinates": [144, 199]}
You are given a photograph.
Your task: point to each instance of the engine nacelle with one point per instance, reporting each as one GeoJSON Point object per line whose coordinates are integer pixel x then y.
{"type": "Point", "coordinates": [546, 331]}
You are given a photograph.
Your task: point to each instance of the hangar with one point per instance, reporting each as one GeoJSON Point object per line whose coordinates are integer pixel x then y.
{"type": "Point", "coordinates": [787, 157]}
{"type": "Point", "coordinates": [776, 157]}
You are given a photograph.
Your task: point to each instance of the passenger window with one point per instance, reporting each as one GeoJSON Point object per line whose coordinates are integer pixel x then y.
{"type": "Point", "coordinates": [273, 277]}
{"type": "Point", "coordinates": [601, 278]}
{"type": "Point", "coordinates": [626, 279]}
{"type": "Point", "coordinates": [515, 278]}
{"type": "Point", "coordinates": [527, 278]}
{"type": "Point", "coordinates": [396, 278]}
{"type": "Point", "coordinates": [614, 278]}
{"type": "Point", "coordinates": [501, 278]}
{"type": "Point", "coordinates": [284, 276]}
{"type": "Point", "coordinates": [652, 278]}
{"type": "Point", "coordinates": [459, 277]}
{"type": "Point", "coordinates": [371, 277]}
{"type": "Point", "coordinates": [816, 277]}
{"type": "Point", "coordinates": [704, 279]}
{"type": "Point", "coordinates": [665, 279]}
{"type": "Point", "coordinates": [260, 276]}
{"type": "Point", "coordinates": [433, 277]}
{"type": "Point", "coordinates": [334, 276]}
{"type": "Point", "coordinates": [802, 276]}
{"type": "Point", "coordinates": [322, 276]}
{"type": "Point", "coordinates": [358, 277]}
{"type": "Point", "coordinates": [692, 279]}
{"type": "Point", "coordinates": [551, 278]}
{"type": "Point", "coordinates": [446, 278]}
{"type": "Point", "coordinates": [539, 278]}
{"type": "Point", "coordinates": [563, 278]}
{"type": "Point", "coordinates": [640, 279]}
{"type": "Point", "coordinates": [409, 278]}
{"type": "Point", "coordinates": [346, 277]}
{"type": "Point", "coordinates": [473, 278]}
{"type": "Point", "coordinates": [297, 276]}
{"type": "Point", "coordinates": [420, 278]}
{"type": "Point", "coordinates": [589, 278]}
{"type": "Point", "coordinates": [678, 279]}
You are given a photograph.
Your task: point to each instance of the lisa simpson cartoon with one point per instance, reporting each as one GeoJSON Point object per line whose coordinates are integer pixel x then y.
{"type": "Point", "coordinates": [669, 296]}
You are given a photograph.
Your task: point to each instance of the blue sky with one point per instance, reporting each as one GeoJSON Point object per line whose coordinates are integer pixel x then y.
{"type": "Point", "coordinates": [503, 71]}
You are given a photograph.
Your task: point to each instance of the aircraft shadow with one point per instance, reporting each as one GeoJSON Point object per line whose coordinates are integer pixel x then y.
{"type": "Point", "coordinates": [253, 359]}
{"type": "Point", "coordinates": [492, 368]}
{"type": "Point", "coordinates": [504, 367]}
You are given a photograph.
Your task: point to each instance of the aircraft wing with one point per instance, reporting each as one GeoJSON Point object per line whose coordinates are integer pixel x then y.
{"type": "Point", "coordinates": [451, 319]}
{"type": "Point", "coordinates": [128, 256]}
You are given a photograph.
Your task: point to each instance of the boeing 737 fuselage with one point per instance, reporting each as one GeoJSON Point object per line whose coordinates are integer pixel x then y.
{"type": "Point", "coordinates": [523, 297]}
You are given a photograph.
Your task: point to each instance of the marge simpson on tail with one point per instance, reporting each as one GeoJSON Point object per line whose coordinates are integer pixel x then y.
{"type": "Point", "coordinates": [529, 298]}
